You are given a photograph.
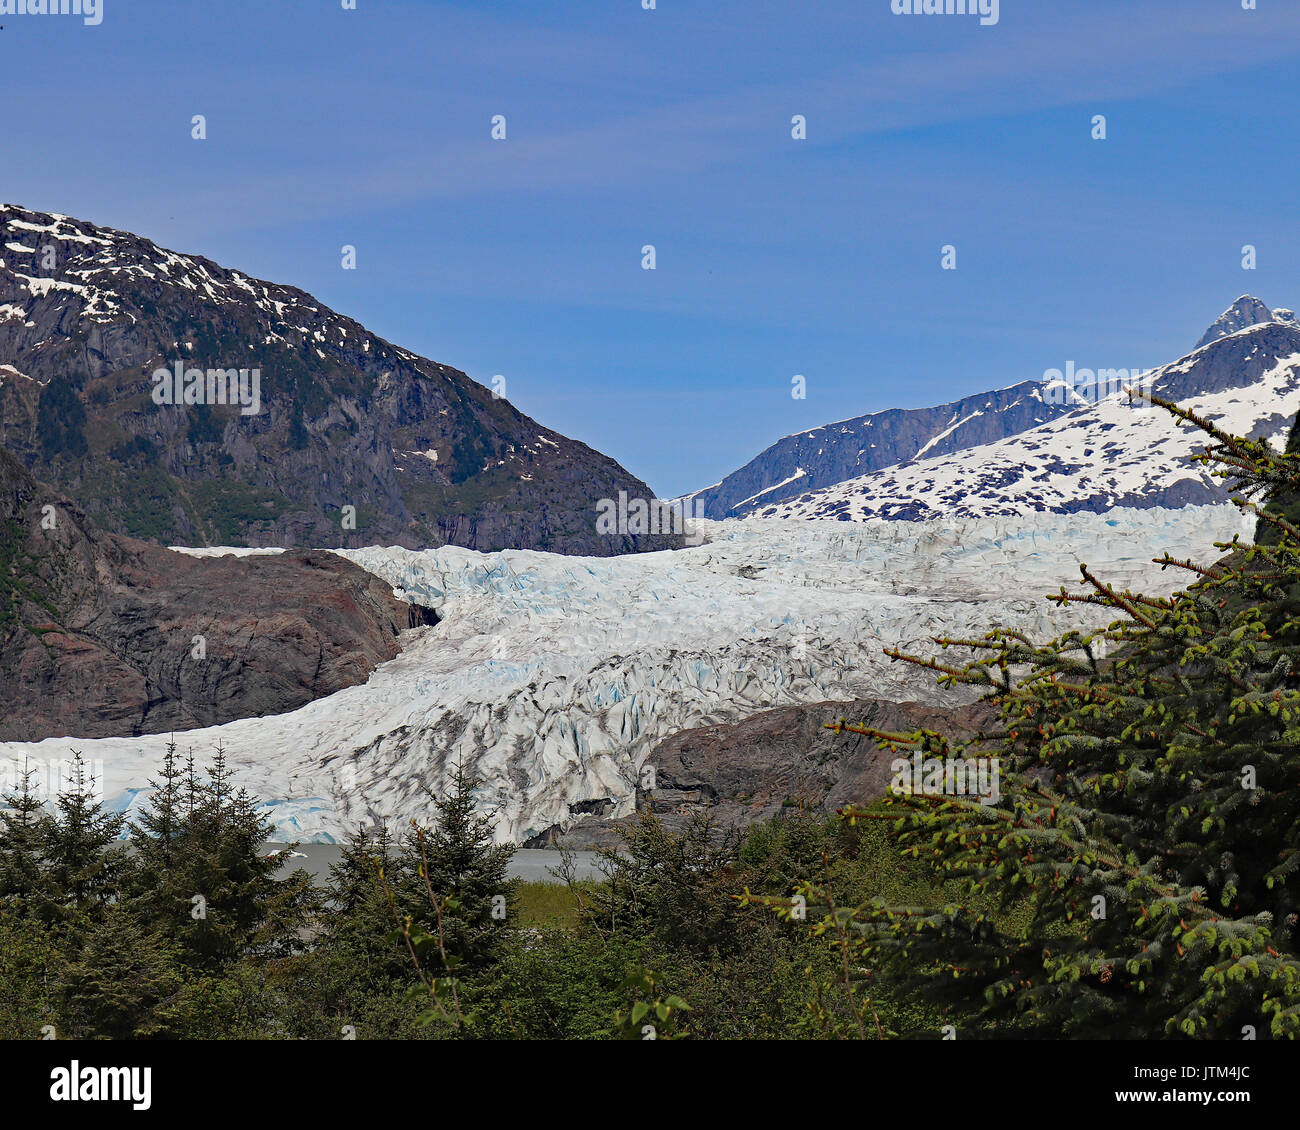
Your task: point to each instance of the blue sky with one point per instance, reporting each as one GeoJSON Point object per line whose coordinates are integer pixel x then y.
{"type": "Point", "coordinates": [775, 257]}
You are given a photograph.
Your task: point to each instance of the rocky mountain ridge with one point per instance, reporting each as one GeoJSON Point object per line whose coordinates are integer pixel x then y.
{"type": "Point", "coordinates": [1114, 453]}
{"type": "Point", "coordinates": [821, 457]}
{"type": "Point", "coordinates": [421, 454]}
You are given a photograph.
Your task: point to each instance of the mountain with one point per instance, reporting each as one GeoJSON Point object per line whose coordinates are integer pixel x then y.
{"type": "Point", "coordinates": [1099, 457]}
{"type": "Point", "coordinates": [1242, 314]}
{"type": "Point", "coordinates": [1051, 446]}
{"type": "Point", "coordinates": [99, 633]}
{"type": "Point", "coordinates": [337, 417]}
{"type": "Point", "coordinates": [824, 456]}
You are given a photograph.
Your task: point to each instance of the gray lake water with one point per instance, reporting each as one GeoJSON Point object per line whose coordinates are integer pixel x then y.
{"type": "Point", "coordinates": [531, 864]}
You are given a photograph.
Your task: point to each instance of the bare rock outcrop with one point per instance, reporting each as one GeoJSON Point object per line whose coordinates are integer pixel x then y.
{"type": "Point", "coordinates": [778, 761]}
{"type": "Point", "coordinates": [104, 635]}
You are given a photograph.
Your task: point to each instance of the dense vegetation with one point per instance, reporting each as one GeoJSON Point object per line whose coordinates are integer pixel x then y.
{"type": "Point", "coordinates": [184, 930]}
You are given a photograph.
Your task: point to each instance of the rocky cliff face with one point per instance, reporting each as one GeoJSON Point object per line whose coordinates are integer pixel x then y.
{"type": "Point", "coordinates": [424, 455]}
{"type": "Point", "coordinates": [102, 634]}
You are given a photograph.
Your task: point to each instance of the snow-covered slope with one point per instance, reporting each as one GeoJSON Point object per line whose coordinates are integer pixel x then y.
{"type": "Point", "coordinates": [553, 676]}
{"type": "Point", "coordinates": [1104, 455]}
{"type": "Point", "coordinates": [824, 456]}
{"type": "Point", "coordinates": [1032, 446]}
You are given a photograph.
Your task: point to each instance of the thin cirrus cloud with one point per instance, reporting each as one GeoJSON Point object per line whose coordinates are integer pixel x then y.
{"type": "Point", "coordinates": [592, 128]}
{"type": "Point", "coordinates": [1142, 52]}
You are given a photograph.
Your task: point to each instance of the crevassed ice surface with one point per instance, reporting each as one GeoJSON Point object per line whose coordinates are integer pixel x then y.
{"type": "Point", "coordinates": [552, 677]}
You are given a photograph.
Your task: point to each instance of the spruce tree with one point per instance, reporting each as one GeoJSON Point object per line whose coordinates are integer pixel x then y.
{"type": "Point", "coordinates": [23, 822]}
{"type": "Point", "coordinates": [122, 972]}
{"type": "Point", "coordinates": [670, 889]}
{"type": "Point", "coordinates": [359, 970]}
{"type": "Point", "coordinates": [30, 952]}
{"type": "Point", "coordinates": [160, 826]}
{"type": "Point", "coordinates": [81, 866]}
{"type": "Point", "coordinates": [202, 875]}
{"type": "Point", "coordinates": [358, 919]}
{"type": "Point", "coordinates": [1137, 877]}
{"type": "Point", "coordinates": [453, 874]}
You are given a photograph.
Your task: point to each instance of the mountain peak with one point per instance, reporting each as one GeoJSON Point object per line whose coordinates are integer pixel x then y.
{"type": "Point", "coordinates": [331, 424]}
{"type": "Point", "coordinates": [1016, 442]}
{"type": "Point", "coordinates": [1245, 312]}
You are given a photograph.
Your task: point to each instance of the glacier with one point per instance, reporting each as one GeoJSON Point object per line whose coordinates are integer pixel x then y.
{"type": "Point", "coordinates": [552, 677]}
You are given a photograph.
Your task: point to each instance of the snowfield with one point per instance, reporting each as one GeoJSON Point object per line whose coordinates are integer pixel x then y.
{"type": "Point", "coordinates": [1102, 455]}
{"type": "Point", "coordinates": [553, 676]}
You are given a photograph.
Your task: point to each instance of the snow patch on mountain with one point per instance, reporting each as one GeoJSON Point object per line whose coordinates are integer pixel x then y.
{"type": "Point", "coordinates": [1104, 455]}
